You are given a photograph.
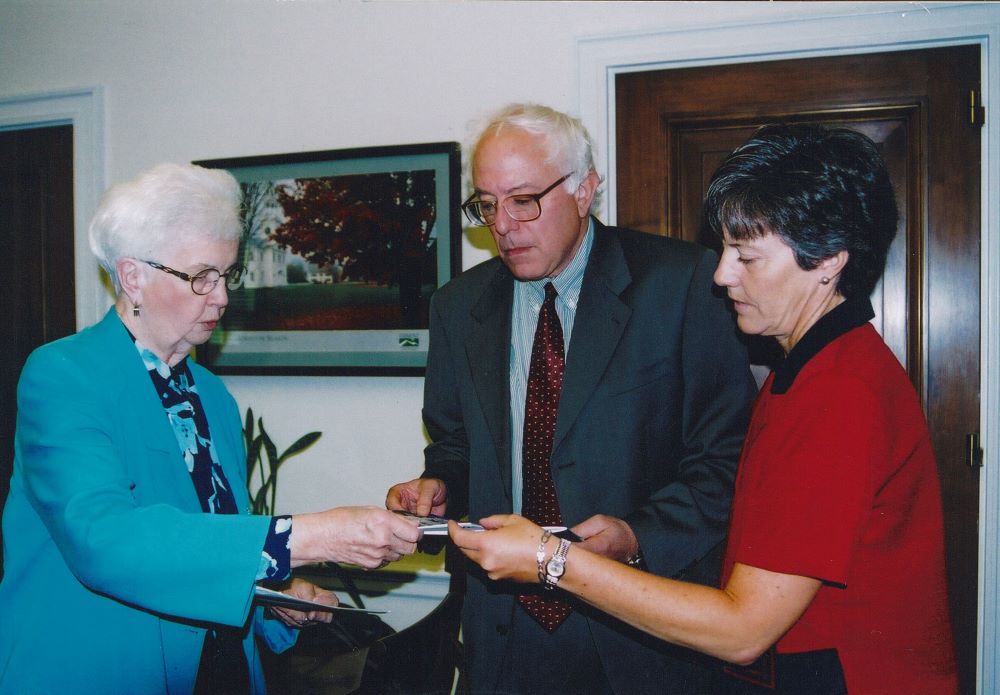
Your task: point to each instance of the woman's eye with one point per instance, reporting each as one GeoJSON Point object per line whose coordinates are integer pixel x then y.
{"type": "Point", "coordinates": [744, 260]}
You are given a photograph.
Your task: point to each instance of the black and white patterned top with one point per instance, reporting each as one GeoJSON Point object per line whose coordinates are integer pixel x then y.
{"type": "Point", "coordinates": [177, 391]}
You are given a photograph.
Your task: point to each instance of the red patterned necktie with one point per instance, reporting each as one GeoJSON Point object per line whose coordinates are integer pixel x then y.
{"type": "Point", "coordinates": [539, 502]}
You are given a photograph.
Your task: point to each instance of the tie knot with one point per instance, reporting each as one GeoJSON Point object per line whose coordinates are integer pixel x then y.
{"type": "Point", "coordinates": [550, 292]}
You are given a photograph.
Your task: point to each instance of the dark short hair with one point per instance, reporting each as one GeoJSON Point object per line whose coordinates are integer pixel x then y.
{"type": "Point", "coordinates": [821, 190]}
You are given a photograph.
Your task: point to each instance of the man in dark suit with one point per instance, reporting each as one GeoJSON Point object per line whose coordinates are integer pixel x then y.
{"type": "Point", "coordinates": [649, 418]}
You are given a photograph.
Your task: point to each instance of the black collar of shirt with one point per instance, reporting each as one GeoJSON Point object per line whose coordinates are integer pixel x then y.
{"type": "Point", "coordinates": [843, 318]}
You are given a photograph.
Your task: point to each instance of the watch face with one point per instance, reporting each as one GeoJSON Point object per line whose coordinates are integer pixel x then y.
{"type": "Point", "coordinates": [556, 567]}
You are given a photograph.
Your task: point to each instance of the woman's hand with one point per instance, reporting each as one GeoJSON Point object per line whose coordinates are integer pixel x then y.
{"type": "Point", "coordinates": [507, 549]}
{"type": "Point", "coordinates": [300, 588]}
{"type": "Point", "coordinates": [365, 536]}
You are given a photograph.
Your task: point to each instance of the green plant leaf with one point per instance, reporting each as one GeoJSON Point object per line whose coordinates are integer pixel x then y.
{"type": "Point", "coordinates": [260, 505]}
{"type": "Point", "coordinates": [248, 428]}
{"type": "Point", "coordinates": [303, 443]}
{"type": "Point", "coordinates": [253, 458]}
{"type": "Point", "coordinates": [269, 448]}
{"type": "Point", "coordinates": [260, 446]}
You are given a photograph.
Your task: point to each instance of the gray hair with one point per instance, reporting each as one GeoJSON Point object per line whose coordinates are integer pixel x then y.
{"type": "Point", "coordinates": [569, 145]}
{"type": "Point", "coordinates": [163, 207]}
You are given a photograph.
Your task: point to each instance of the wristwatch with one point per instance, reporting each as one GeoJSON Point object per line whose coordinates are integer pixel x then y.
{"type": "Point", "coordinates": [636, 560]}
{"type": "Point", "coordinates": [556, 565]}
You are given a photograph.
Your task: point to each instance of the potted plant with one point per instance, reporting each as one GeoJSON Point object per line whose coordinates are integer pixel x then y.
{"type": "Point", "coordinates": [264, 459]}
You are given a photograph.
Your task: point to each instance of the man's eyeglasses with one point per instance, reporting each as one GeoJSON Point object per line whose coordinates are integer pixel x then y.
{"type": "Point", "coordinates": [523, 207]}
{"type": "Point", "coordinates": [205, 281]}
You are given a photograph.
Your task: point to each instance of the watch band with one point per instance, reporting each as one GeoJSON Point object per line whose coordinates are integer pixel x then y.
{"type": "Point", "coordinates": [556, 566]}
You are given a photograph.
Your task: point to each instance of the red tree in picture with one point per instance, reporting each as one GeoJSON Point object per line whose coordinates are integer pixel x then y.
{"type": "Point", "coordinates": [377, 227]}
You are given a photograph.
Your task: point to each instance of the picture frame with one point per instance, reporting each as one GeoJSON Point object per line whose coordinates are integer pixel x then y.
{"type": "Point", "coordinates": [342, 249]}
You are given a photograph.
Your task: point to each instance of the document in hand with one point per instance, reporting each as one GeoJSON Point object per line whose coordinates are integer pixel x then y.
{"type": "Point", "coordinates": [269, 597]}
{"type": "Point", "coordinates": [438, 525]}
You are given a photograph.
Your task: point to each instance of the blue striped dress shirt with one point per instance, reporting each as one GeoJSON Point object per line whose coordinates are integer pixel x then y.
{"type": "Point", "coordinates": [528, 298]}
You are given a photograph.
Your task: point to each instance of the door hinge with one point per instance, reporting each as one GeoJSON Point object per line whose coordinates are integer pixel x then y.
{"type": "Point", "coordinates": [977, 111]}
{"type": "Point", "coordinates": [973, 451]}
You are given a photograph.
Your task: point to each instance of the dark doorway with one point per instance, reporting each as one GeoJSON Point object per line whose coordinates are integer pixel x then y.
{"type": "Point", "coordinates": [37, 302]}
{"type": "Point", "coordinates": [674, 126]}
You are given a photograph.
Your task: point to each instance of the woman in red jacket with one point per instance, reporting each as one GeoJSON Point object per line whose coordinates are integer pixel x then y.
{"type": "Point", "coordinates": [834, 573]}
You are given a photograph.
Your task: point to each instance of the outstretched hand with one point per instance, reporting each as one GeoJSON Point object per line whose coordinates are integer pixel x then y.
{"type": "Point", "coordinates": [365, 536]}
{"type": "Point", "coordinates": [506, 550]}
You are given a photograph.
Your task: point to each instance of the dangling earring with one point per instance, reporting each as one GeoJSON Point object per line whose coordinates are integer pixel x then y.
{"type": "Point", "coordinates": [135, 310]}
{"type": "Point", "coordinates": [822, 281]}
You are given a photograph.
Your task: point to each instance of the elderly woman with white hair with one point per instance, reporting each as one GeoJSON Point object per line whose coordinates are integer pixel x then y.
{"type": "Point", "coordinates": [130, 557]}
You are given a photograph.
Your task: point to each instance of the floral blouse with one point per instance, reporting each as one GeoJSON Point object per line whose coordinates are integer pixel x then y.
{"type": "Point", "coordinates": [182, 405]}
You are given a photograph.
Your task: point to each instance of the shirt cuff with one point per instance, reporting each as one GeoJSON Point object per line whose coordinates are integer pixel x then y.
{"type": "Point", "coordinates": [276, 557]}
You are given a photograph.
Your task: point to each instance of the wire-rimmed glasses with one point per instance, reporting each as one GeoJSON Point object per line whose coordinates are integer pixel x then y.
{"type": "Point", "coordinates": [522, 207]}
{"type": "Point", "coordinates": [205, 281]}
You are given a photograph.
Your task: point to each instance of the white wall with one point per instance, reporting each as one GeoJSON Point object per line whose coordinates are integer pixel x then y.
{"type": "Point", "coordinates": [197, 79]}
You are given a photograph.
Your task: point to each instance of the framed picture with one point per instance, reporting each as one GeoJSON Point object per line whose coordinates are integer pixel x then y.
{"type": "Point", "coordinates": [343, 249]}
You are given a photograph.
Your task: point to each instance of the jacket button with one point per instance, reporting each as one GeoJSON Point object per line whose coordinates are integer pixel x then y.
{"type": "Point", "coordinates": [502, 629]}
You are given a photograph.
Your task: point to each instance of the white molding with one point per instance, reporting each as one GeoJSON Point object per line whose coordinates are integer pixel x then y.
{"type": "Point", "coordinates": [823, 29]}
{"type": "Point", "coordinates": [83, 109]}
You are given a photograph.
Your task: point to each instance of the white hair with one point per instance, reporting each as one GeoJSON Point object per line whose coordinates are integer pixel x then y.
{"type": "Point", "coordinates": [569, 145]}
{"type": "Point", "coordinates": [167, 206]}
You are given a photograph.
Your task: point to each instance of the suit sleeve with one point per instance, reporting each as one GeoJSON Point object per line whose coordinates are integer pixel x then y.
{"type": "Point", "coordinates": [685, 520]}
{"type": "Point", "coordinates": [78, 481]}
{"type": "Point", "coordinates": [447, 456]}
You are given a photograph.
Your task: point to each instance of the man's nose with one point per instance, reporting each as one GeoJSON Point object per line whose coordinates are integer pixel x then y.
{"type": "Point", "coordinates": [503, 223]}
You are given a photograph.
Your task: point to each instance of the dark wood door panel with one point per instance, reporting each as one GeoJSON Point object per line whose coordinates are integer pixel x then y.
{"type": "Point", "coordinates": [37, 297]}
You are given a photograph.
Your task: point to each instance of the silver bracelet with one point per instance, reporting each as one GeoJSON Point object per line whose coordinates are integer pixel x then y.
{"type": "Point", "coordinates": [540, 555]}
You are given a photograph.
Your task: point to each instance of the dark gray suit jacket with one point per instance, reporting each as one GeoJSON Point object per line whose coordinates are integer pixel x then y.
{"type": "Point", "coordinates": [654, 406]}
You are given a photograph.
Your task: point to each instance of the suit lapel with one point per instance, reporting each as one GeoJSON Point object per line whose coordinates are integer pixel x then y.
{"type": "Point", "coordinates": [600, 321]}
{"type": "Point", "coordinates": [144, 411]}
{"type": "Point", "coordinates": [488, 352]}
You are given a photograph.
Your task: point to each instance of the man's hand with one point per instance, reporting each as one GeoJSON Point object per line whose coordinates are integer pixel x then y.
{"type": "Point", "coordinates": [423, 497]}
{"type": "Point", "coordinates": [607, 536]}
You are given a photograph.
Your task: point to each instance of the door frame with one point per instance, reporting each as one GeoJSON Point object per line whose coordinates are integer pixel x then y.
{"type": "Point", "coordinates": [842, 29]}
{"type": "Point", "coordinates": [84, 110]}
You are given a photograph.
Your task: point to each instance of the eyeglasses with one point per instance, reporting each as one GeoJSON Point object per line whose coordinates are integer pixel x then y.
{"type": "Point", "coordinates": [522, 207]}
{"type": "Point", "coordinates": [205, 281]}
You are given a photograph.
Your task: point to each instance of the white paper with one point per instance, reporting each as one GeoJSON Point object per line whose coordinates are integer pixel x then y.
{"type": "Point", "coordinates": [438, 525]}
{"type": "Point", "coordinates": [269, 597]}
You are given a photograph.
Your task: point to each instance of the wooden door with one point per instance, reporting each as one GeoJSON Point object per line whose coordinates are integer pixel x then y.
{"type": "Point", "coordinates": [37, 298]}
{"type": "Point", "coordinates": [675, 126]}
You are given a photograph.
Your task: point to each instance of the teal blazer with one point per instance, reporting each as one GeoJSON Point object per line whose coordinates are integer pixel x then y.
{"type": "Point", "coordinates": [111, 570]}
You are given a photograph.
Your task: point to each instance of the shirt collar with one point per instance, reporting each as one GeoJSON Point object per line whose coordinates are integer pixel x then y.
{"type": "Point", "coordinates": [847, 316]}
{"type": "Point", "coordinates": [152, 362]}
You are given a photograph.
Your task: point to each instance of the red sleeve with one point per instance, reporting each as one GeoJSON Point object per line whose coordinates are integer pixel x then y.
{"type": "Point", "coordinates": [806, 479]}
